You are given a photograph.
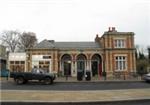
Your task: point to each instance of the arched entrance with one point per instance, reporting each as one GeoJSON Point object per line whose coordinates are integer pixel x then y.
{"type": "Point", "coordinates": [81, 63]}
{"type": "Point", "coordinates": [66, 64]}
{"type": "Point", "coordinates": [96, 65]}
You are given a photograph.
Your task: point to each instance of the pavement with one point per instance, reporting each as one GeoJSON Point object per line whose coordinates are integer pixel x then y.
{"type": "Point", "coordinates": [74, 96]}
{"type": "Point", "coordinates": [74, 79]}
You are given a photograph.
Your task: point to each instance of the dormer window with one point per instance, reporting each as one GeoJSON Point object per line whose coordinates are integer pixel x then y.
{"type": "Point", "coordinates": [119, 43]}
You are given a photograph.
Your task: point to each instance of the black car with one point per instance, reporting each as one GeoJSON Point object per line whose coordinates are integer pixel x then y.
{"type": "Point", "coordinates": [147, 77]}
{"type": "Point", "coordinates": [36, 74]}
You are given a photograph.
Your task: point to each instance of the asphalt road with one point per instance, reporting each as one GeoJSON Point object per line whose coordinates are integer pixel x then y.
{"type": "Point", "coordinates": [135, 102]}
{"type": "Point", "coordinates": [10, 85]}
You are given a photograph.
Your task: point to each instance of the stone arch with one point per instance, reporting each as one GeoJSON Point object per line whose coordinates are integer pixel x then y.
{"type": "Point", "coordinates": [81, 57]}
{"type": "Point", "coordinates": [66, 57]}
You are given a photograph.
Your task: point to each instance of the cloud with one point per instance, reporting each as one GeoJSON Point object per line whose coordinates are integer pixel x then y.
{"type": "Point", "coordinates": [76, 20]}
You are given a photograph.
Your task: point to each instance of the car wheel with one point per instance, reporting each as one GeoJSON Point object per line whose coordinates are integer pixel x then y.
{"type": "Point", "coordinates": [20, 80]}
{"type": "Point", "coordinates": [48, 81]}
{"type": "Point", "coordinates": [25, 81]}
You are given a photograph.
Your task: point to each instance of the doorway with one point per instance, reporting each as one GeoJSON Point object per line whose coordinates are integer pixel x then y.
{"type": "Point", "coordinates": [67, 68]}
{"type": "Point", "coordinates": [94, 68]}
{"type": "Point", "coordinates": [66, 64]}
{"type": "Point", "coordinates": [96, 65]}
{"type": "Point", "coordinates": [81, 64]}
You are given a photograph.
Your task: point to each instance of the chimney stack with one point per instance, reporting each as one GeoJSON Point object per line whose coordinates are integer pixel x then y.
{"type": "Point", "coordinates": [111, 29]}
{"type": "Point", "coordinates": [97, 38]}
{"type": "Point", "coordinates": [96, 35]}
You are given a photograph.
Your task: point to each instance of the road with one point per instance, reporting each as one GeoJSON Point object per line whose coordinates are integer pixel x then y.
{"type": "Point", "coordinates": [10, 85]}
{"type": "Point", "coordinates": [135, 102]}
{"type": "Point", "coordinates": [77, 86]}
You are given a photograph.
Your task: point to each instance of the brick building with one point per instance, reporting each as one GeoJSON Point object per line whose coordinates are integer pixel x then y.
{"type": "Point", "coordinates": [3, 57]}
{"type": "Point", "coordinates": [17, 62]}
{"type": "Point", "coordinates": [113, 52]}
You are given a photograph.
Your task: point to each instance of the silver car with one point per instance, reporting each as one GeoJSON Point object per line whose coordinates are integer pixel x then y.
{"type": "Point", "coordinates": [147, 77]}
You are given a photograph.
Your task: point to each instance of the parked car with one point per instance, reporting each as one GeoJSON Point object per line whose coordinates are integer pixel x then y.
{"type": "Point", "coordinates": [36, 74]}
{"type": "Point", "coordinates": [146, 77]}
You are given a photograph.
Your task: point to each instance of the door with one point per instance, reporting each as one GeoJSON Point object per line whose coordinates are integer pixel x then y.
{"type": "Point", "coordinates": [96, 65]}
{"type": "Point", "coordinates": [94, 68]}
{"type": "Point", "coordinates": [81, 67]}
{"type": "Point", "coordinates": [67, 68]}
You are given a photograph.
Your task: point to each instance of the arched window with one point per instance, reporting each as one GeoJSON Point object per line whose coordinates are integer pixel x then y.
{"type": "Point", "coordinates": [81, 63]}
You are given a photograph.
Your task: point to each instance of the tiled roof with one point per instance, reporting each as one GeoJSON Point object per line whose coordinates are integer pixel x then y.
{"type": "Point", "coordinates": [45, 44]}
{"type": "Point", "coordinates": [77, 45]}
{"type": "Point", "coordinates": [52, 44]}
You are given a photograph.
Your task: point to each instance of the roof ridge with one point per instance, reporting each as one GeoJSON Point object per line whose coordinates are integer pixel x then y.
{"type": "Point", "coordinates": [73, 41]}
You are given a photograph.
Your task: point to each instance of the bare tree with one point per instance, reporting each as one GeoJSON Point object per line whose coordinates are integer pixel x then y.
{"type": "Point", "coordinates": [148, 53]}
{"type": "Point", "coordinates": [10, 38]}
{"type": "Point", "coordinates": [27, 40]}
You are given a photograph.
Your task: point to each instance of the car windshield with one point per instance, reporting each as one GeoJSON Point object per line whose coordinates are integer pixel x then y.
{"type": "Point", "coordinates": [41, 71]}
{"type": "Point", "coordinates": [148, 74]}
{"type": "Point", "coordinates": [38, 71]}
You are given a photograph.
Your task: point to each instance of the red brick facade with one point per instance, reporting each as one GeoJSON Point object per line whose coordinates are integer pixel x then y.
{"type": "Point", "coordinates": [116, 53]}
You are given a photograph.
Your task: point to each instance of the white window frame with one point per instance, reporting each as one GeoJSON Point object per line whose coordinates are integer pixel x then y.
{"type": "Point", "coordinates": [120, 43]}
{"type": "Point", "coordinates": [120, 63]}
{"type": "Point", "coordinates": [37, 58]}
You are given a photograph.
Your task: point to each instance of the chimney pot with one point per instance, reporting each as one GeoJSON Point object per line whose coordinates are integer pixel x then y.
{"type": "Point", "coordinates": [113, 29]}
{"type": "Point", "coordinates": [96, 35]}
{"type": "Point", "coordinates": [109, 29]}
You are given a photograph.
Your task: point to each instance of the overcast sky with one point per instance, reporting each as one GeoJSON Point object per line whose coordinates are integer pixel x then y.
{"type": "Point", "coordinates": [76, 20]}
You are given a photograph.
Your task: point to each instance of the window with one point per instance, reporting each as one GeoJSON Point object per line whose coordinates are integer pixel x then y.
{"type": "Point", "coordinates": [119, 43]}
{"type": "Point", "coordinates": [81, 65]}
{"type": "Point", "coordinates": [11, 62]}
{"type": "Point", "coordinates": [41, 62]}
{"type": "Point", "coordinates": [46, 62]}
{"type": "Point", "coordinates": [46, 57]}
{"type": "Point", "coordinates": [121, 63]}
{"type": "Point", "coordinates": [16, 62]}
{"type": "Point", "coordinates": [22, 62]}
